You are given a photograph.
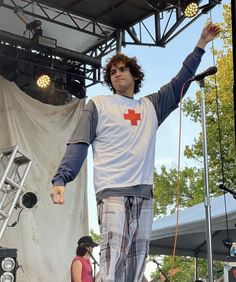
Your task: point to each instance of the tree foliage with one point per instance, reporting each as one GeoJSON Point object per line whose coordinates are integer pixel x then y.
{"type": "Point", "coordinates": [219, 115]}
{"type": "Point", "coordinates": [184, 269]}
{"type": "Point", "coordinates": [221, 154]}
{"type": "Point", "coordinates": [220, 137]}
{"type": "Point", "coordinates": [165, 182]}
{"type": "Point", "coordinates": [96, 238]}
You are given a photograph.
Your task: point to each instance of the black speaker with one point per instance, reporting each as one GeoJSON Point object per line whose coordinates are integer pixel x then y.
{"type": "Point", "coordinates": [8, 264]}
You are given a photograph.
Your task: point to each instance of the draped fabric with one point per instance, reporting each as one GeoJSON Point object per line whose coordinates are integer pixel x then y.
{"type": "Point", "coordinates": [46, 236]}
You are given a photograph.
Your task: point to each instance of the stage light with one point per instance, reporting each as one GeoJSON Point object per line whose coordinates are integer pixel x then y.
{"type": "Point", "coordinates": [43, 81]}
{"type": "Point", "coordinates": [27, 200]}
{"type": "Point", "coordinates": [35, 27]}
{"type": "Point", "coordinates": [190, 8]}
{"type": "Point", "coordinates": [76, 85]}
{"type": "Point", "coordinates": [77, 89]}
{"type": "Point", "coordinates": [7, 277]}
{"type": "Point", "coordinates": [8, 265]}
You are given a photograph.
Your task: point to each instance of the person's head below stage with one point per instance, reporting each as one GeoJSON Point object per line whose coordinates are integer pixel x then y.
{"type": "Point", "coordinates": [85, 246]}
{"type": "Point", "coordinates": [123, 75]}
{"type": "Point", "coordinates": [81, 269]}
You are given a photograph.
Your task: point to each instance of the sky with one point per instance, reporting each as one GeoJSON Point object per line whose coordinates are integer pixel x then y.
{"type": "Point", "coordinates": [160, 65]}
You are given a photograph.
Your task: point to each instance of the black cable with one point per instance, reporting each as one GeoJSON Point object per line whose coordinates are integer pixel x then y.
{"type": "Point", "coordinates": [18, 218]}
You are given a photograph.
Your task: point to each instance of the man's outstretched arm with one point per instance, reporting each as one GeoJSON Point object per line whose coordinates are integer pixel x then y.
{"type": "Point", "coordinates": [77, 149]}
{"type": "Point", "coordinates": [68, 170]}
{"type": "Point", "coordinates": [166, 100]}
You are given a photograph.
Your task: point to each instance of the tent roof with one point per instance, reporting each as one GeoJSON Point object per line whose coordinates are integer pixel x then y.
{"type": "Point", "coordinates": [116, 14]}
{"type": "Point", "coordinates": [192, 230]}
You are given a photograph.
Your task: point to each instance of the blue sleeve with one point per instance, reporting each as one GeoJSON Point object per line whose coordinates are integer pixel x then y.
{"type": "Point", "coordinates": [71, 163]}
{"type": "Point", "coordinates": [166, 100]}
{"type": "Point", "coordinates": [85, 130]}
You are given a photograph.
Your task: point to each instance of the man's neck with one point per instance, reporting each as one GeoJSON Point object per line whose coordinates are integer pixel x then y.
{"type": "Point", "coordinates": [127, 95]}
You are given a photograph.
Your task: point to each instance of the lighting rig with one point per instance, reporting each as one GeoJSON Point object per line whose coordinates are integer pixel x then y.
{"type": "Point", "coordinates": [41, 69]}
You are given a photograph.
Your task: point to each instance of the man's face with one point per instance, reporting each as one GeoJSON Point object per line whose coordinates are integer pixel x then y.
{"type": "Point", "coordinates": [122, 79]}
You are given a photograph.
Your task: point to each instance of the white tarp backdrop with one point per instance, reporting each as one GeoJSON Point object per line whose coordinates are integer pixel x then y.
{"type": "Point", "coordinates": [46, 236]}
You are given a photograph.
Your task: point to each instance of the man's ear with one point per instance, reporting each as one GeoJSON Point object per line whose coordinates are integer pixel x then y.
{"type": "Point", "coordinates": [136, 78]}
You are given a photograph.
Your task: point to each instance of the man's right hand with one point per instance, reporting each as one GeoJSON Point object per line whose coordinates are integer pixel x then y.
{"type": "Point", "coordinates": [57, 194]}
{"type": "Point", "coordinates": [209, 32]}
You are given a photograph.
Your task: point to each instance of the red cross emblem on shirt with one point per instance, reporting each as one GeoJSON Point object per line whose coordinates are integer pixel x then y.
{"type": "Point", "coordinates": [132, 116]}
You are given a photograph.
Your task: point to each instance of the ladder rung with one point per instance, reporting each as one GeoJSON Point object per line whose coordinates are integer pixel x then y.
{"type": "Point", "coordinates": [4, 214]}
{"type": "Point", "coordinates": [11, 182]}
{"type": "Point", "coordinates": [8, 151]}
{"type": "Point", "coordinates": [21, 160]}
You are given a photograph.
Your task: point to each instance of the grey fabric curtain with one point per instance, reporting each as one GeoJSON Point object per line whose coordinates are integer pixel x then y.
{"type": "Point", "coordinates": [46, 236]}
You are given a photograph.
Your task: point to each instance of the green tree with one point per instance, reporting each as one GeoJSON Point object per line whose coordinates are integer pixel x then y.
{"type": "Point", "coordinates": [219, 115]}
{"type": "Point", "coordinates": [221, 160]}
{"type": "Point", "coordinates": [95, 236]}
{"type": "Point", "coordinates": [184, 269]}
{"type": "Point", "coordinates": [191, 189]}
{"type": "Point", "coordinates": [220, 136]}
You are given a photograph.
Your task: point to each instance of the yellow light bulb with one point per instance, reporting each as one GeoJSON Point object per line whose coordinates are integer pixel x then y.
{"type": "Point", "coordinates": [43, 81]}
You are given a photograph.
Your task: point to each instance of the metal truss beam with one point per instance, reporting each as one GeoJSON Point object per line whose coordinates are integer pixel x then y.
{"type": "Point", "coordinates": [58, 59]}
{"type": "Point", "coordinates": [157, 29]}
{"type": "Point", "coordinates": [91, 27]}
{"type": "Point", "coordinates": [171, 22]}
{"type": "Point", "coordinates": [166, 25]}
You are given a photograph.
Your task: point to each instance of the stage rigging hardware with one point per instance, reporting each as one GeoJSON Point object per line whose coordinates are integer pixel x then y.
{"type": "Point", "coordinates": [102, 28]}
{"type": "Point", "coordinates": [14, 166]}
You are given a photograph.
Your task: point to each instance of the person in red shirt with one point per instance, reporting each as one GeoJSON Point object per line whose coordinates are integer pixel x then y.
{"type": "Point", "coordinates": [81, 268]}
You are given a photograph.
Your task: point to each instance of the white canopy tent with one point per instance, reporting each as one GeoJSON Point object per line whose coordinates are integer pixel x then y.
{"type": "Point", "coordinates": [192, 239]}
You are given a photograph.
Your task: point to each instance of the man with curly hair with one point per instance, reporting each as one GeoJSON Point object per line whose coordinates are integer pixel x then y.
{"type": "Point", "coordinates": [122, 131]}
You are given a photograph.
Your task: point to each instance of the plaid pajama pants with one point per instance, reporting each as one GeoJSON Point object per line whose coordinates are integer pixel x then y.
{"type": "Point", "coordinates": [125, 228]}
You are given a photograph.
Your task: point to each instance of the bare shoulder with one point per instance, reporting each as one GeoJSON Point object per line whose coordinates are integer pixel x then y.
{"type": "Point", "coordinates": [77, 263]}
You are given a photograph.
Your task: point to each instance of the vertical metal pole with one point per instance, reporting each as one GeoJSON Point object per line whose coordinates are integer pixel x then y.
{"type": "Point", "coordinates": [94, 269]}
{"type": "Point", "coordinates": [119, 39]}
{"type": "Point", "coordinates": [207, 197]}
{"type": "Point", "coordinates": [196, 268]}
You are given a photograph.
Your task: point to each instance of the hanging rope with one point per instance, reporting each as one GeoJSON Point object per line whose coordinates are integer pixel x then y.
{"type": "Point", "coordinates": [177, 186]}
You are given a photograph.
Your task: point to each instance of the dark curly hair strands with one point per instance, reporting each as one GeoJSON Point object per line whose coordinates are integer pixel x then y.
{"type": "Point", "coordinates": [131, 63]}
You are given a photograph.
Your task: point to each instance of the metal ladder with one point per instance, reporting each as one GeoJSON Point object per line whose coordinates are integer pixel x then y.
{"type": "Point", "coordinates": [14, 166]}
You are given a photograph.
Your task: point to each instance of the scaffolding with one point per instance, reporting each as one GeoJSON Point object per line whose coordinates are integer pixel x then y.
{"type": "Point", "coordinates": [14, 167]}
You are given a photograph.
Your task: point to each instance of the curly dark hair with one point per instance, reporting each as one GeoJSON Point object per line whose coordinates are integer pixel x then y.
{"type": "Point", "coordinates": [133, 66]}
